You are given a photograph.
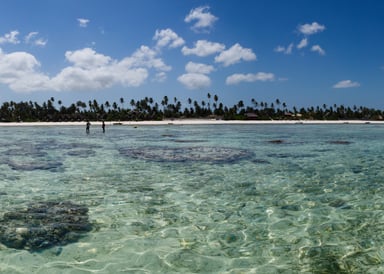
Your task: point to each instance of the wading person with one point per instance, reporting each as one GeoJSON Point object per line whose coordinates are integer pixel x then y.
{"type": "Point", "coordinates": [103, 126]}
{"type": "Point", "coordinates": [87, 127]}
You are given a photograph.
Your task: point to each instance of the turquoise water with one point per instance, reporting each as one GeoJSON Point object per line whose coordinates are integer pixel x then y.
{"type": "Point", "coordinates": [202, 199]}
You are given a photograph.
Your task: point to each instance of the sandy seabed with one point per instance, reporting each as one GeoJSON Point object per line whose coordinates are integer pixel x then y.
{"type": "Point", "coordinates": [194, 122]}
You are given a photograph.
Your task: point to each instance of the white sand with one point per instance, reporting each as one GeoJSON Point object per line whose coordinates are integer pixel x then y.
{"type": "Point", "coordinates": [194, 122]}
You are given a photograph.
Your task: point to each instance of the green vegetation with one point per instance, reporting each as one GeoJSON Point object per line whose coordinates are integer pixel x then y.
{"type": "Point", "coordinates": [148, 109]}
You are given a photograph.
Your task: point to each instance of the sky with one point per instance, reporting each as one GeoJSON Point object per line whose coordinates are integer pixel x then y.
{"type": "Point", "coordinates": [304, 53]}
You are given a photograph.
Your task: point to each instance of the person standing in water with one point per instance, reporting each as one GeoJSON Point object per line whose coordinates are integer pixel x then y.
{"type": "Point", "coordinates": [87, 127]}
{"type": "Point", "coordinates": [103, 126]}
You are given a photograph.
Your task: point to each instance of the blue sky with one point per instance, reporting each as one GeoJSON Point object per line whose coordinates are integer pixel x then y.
{"type": "Point", "coordinates": [304, 53]}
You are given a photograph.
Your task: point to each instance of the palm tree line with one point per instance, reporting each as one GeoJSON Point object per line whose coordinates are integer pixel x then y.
{"type": "Point", "coordinates": [172, 108]}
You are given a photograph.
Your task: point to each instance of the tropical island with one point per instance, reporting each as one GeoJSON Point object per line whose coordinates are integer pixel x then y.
{"type": "Point", "coordinates": [147, 109]}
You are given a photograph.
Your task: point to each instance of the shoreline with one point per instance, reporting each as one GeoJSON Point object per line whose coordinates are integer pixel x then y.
{"type": "Point", "coordinates": [194, 122]}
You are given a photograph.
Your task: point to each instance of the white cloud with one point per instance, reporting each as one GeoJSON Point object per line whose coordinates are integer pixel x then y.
{"type": "Point", "coordinates": [234, 55]}
{"type": "Point", "coordinates": [196, 77]}
{"type": "Point", "coordinates": [346, 84]}
{"type": "Point", "coordinates": [260, 76]}
{"type": "Point", "coordinates": [303, 43]}
{"type": "Point", "coordinates": [31, 38]}
{"type": "Point", "coordinates": [88, 70]}
{"type": "Point", "coordinates": [306, 29]}
{"type": "Point", "coordinates": [10, 38]}
{"type": "Point", "coordinates": [289, 49]}
{"type": "Point", "coordinates": [97, 71]}
{"type": "Point", "coordinates": [285, 50]}
{"type": "Point", "coordinates": [87, 58]}
{"type": "Point", "coordinates": [194, 80]}
{"type": "Point", "coordinates": [83, 22]}
{"type": "Point", "coordinates": [204, 19]}
{"type": "Point", "coordinates": [203, 48]}
{"type": "Point", "coordinates": [78, 78]}
{"type": "Point", "coordinates": [309, 29]}
{"type": "Point", "coordinates": [160, 77]}
{"type": "Point", "coordinates": [40, 42]}
{"type": "Point", "coordinates": [146, 57]}
{"type": "Point", "coordinates": [168, 37]}
{"type": "Point", "coordinates": [279, 49]}
{"type": "Point", "coordinates": [192, 67]}
{"type": "Point", "coordinates": [19, 70]}
{"type": "Point", "coordinates": [318, 49]}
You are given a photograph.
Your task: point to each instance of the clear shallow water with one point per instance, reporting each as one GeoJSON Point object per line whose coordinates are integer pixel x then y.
{"type": "Point", "coordinates": [203, 199]}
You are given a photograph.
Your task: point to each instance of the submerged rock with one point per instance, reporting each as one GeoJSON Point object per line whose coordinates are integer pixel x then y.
{"type": "Point", "coordinates": [82, 153]}
{"type": "Point", "coordinates": [35, 165]}
{"type": "Point", "coordinates": [340, 142]}
{"type": "Point", "coordinates": [277, 141]}
{"type": "Point", "coordinates": [183, 154]}
{"type": "Point", "coordinates": [43, 225]}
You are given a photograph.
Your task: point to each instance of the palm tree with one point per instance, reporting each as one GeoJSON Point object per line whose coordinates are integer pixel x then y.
{"type": "Point", "coordinates": [164, 102]}
{"type": "Point", "coordinates": [114, 105]}
{"type": "Point", "coordinates": [209, 102]}
{"type": "Point", "coordinates": [215, 98]}
{"type": "Point", "coordinates": [240, 104]}
{"type": "Point", "coordinates": [132, 103]}
{"type": "Point", "coordinates": [203, 105]}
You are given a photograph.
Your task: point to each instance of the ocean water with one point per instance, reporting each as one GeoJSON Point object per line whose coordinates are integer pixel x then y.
{"type": "Point", "coordinates": [200, 199]}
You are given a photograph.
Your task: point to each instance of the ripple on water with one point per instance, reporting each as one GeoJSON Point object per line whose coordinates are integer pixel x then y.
{"type": "Point", "coordinates": [303, 205]}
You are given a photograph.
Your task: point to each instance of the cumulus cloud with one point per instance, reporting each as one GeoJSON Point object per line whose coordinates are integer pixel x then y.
{"type": "Point", "coordinates": [303, 43]}
{"type": "Point", "coordinates": [204, 19]}
{"type": "Point", "coordinates": [192, 67]}
{"type": "Point", "coordinates": [346, 84]}
{"type": "Point", "coordinates": [203, 48]}
{"type": "Point", "coordinates": [146, 57]}
{"type": "Point", "coordinates": [87, 58]}
{"type": "Point", "coordinates": [10, 38]}
{"type": "Point", "coordinates": [234, 55]}
{"type": "Point", "coordinates": [309, 29]}
{"type": "Point", "coordinates": [305, 29]}
{"type": "Point", "coordinates": [77, 78]}
{"type": "Point", "coordinates": [83, 22]}
{"type": "Point", "coordinates": [87, 70]}
{"type": "Point", "coordinates": [285, 50]}
{"type": "Point", "coordinates": [194, 80]}
{"type": "Point", "coordinates": [91, 70]}
{"type": "Point", "coordinates": [260, 76]}
{"type": "Point", "coordinates": [318, 49]}
{"type": "Point", "coordinates": [196, 77]}
{"type": "Point", "coordinates": [167, 37]}
{"type": "Point", "coordinates": [20, 71]}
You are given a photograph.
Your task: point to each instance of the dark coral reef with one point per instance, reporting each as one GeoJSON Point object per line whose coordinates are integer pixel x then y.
{"type": "Point", "coordinates": [43, 225]}
{"type": "Point", "coordinates": [185, 154]}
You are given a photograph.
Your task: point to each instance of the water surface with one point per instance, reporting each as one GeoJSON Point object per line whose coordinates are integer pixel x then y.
{"type": "Point", "coordinates": [202, 199]}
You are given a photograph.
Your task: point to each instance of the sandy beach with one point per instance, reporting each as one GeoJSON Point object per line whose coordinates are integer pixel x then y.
{"type": "Point", "coordinates": [193, 122]}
